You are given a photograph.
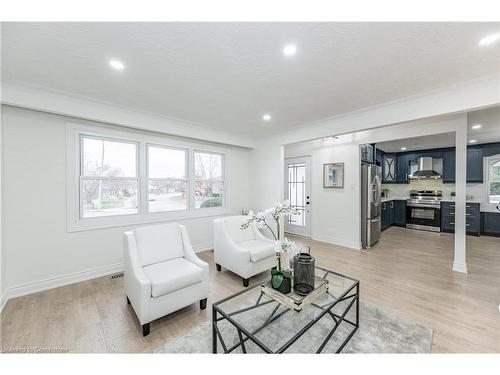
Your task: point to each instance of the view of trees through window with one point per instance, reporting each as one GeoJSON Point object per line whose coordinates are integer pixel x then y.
{"type": "Point", "coordinates": [494, 180]}
{"type": "Point", "coordinates": [209, 184]}
{"type": "Point", "coordinates": [109, 179]}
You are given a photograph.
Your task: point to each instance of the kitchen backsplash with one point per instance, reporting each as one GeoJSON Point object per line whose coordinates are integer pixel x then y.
{"type": "Point", "coordinates": [478, 191]}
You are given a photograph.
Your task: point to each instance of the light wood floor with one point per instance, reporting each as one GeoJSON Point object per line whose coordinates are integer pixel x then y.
{"type": "Point", "coordinates": [408, 272]}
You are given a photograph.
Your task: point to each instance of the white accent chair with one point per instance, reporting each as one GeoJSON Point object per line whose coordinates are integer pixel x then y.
{"type": "Point", "coordinates": [244, 252]}
{"type": "Point", "coordinates": [162, 272]}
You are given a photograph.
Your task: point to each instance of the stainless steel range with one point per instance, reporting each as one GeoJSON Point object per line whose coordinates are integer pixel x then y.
{"type": "Point", "coordinates": [423, 210]}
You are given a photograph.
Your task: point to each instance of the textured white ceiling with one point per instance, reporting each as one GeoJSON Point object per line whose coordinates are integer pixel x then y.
{"type": "Point", "coordinates": [226, 75]}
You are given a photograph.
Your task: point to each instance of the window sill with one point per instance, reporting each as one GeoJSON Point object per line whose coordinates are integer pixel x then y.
{"type": "Point", "coordinates": [133, 220]}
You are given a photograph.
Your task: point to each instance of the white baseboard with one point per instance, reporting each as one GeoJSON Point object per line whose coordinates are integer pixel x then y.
{"type": "Point", "coordinates": [58, 281]}
{"type": "Point", "coordinates": [337, 241]}
{"type": "Point", "coordinates": [203, 247]}
{"type": "Point", "coordinates": [460, 267]}
{"type": "Point", "coordinates": [3, 301]}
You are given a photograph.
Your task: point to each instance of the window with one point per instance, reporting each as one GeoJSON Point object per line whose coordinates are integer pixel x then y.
{"type": "Point", "coordinates": [108, 178]}
{"type": "Point", "coordinates": [209, 179]}
{"type": "Point", "coordinates": [167, 181]}
{"type": "Point", "coordinates": [120, 178]}
{"type": "Point", "coordinates": [494, 180]}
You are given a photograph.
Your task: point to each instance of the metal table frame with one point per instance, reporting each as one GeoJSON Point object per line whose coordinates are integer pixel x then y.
{"type": "Point", "coordinates": [244, 335]}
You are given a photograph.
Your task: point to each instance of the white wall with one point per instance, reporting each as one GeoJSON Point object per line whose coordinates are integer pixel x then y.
{"type": "Point", "coordinates": [39, 251]}
{"type": "Point", "coordinates": [332, 218]}
{"type": "Point", "coordinates": [336, 212]}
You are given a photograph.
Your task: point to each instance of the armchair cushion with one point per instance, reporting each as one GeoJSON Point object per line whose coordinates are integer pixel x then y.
{"type": "Point", "coordinates": [257, 249]}
{"type": "Point", "coordinates": [172, 275]}
{"type": "Point", "coordinates": [159, 243]}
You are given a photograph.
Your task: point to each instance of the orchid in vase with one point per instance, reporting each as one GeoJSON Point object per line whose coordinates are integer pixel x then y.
{"type": "Point", "coordinates": [285, 248]}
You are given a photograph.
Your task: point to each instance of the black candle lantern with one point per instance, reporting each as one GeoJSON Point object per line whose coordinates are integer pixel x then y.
{"type": "Point", "coordinates": [303, 273]}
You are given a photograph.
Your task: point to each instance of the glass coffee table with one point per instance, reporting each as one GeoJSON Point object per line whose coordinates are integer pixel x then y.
{"type": "Point", "coordinates": [252, 322]}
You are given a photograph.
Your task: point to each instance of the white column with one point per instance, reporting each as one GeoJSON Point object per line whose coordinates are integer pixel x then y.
{"type": "Point", "coordinates": [460, 263]}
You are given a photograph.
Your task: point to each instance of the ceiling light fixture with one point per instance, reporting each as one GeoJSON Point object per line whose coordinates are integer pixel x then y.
{"type": "Point", "coordinates": [487, 40]}
{"type": "Point", "coordinates": [477, 126]}
{"type": "Point", "coordinates": [472, 141]}
{"type": "Point", "coordinates": [266, 117]}
{"type": "Point", "coordinates": [115, 64]}
{"type": "Point", "coordinates": [403, 148]}
{"type": "Point", "coordinates": [290, 50]}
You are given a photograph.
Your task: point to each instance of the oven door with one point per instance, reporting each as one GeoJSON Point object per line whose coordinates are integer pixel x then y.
{"type": "Point", "coordinates": [423, 216]}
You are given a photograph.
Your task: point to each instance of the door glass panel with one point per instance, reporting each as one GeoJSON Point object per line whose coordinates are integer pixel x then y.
{"type": "Point", "coordinates": [296, 192]}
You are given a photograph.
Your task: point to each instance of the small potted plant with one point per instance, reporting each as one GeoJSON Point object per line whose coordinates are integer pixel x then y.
{"type": "Point", "coordinates": [385, 193]}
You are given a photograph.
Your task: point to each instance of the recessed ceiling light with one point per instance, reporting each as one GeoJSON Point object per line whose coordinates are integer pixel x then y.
{"type": "Point", "coordinates": [477, 126]}
{"type": "Point", "coordinates": [266, 117]}
{"type": "Point", "coordinates": [492, 38]}
{"type": "Point", "coordinates": [472, 141]}
{"type": "Point", "coordinates": [290, 50]}
{"type": "Point", "coordinates": [403, 148]}
{"type": "Point", "coordinates": [115, 64]}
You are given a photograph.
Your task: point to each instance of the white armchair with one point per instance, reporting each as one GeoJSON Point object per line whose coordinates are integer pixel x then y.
{"type": "Point", "coordinates": [162, 273]}
{"type": "Point", "coordinates": [244, 252]}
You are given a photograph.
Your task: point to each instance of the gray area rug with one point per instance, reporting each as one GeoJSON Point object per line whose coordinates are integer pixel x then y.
{"type": "Point", "coordinates": [379, 332]}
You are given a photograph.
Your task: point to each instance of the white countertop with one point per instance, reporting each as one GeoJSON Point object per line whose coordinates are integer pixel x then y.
{"type": "Point", "coordinates": [468, 200]}
{"type": "Point", "coordinates": [394, 198]}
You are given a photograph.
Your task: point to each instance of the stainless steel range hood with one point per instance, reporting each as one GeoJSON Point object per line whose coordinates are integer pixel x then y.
{"type": "Point", "coordinates": [425, 170]}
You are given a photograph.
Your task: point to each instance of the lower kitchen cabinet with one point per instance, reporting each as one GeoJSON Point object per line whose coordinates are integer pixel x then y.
{"type": "Point", "coordinates": [472, 218]}
{"type": "Point", "coordinates": [399, 213]}
{"type": "Point", "coordinates": [387, 214]}
{"type": "Point", "coordinates": [491, 223]}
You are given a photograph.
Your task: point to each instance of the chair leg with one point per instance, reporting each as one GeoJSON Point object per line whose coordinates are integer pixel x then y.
{"type": "Point", "coordinates": [145, 329]}
{"type": "Point", "coordinates": [128, 301]}
{"type": "Point", "coordinates": [245, 282]}
{"type": "Point", "coordinates": [203, 304]}
{"type": "Point", "coordinates": [218, 267]}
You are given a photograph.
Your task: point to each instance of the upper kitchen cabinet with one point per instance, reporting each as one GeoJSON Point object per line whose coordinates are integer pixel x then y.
{"type": "Point", "coordinates": [402, 169]}
{"type": "Point", "coordinates": [367, 153]}
{"type": "Point", "coordinates": [449, 166]}
{"type": "Point", "coordinates": [389, 169]}
{"type": "Point", "coordinates": [474, 165]}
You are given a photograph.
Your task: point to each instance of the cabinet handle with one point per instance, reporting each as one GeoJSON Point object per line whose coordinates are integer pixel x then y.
{"type": "Point", "coordinates": [453, 214]}
{"type": "Point", "coordinates": [392, 204]}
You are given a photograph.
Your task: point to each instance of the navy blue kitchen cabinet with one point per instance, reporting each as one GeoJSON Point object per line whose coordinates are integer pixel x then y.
{"type": "Point", "coordinates": [449, 166]}
{"type": "Point", "coordinates": [387, 214]}
{"type": "Point", "coordinates": [474, 164]}
{"type": "Point", "coordinates": [389, 169]}
{"type": "Point", "coordinates": [491, 223]}
{"type": "Point", "coordinates": [472, 218]}
{"type": "Point", "coordinates": [402, 167]}
{"type": "Point", "coordinates": [399, 213]}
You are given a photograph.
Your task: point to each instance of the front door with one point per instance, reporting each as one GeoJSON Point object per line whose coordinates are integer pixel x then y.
{"type": "Point", "coordinates": [298, 192]}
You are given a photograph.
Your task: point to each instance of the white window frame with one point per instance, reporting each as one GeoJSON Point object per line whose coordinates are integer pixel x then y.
{"type": "Point", "coordinates": [82, 177]}
{"type": "Point", "coordinates": [75, 223]}
{"type": "Point", "coordinates": [490, 205]}
{"type": "Point", "coordinates": [194, 179]}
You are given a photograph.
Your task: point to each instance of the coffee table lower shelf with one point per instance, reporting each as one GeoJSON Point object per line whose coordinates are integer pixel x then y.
{"type": "Point", "coordinates": [350, 295]}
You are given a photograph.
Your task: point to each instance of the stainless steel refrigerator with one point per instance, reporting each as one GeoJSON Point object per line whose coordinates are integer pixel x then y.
{"type": "Point", "coordinates": [371, 195]}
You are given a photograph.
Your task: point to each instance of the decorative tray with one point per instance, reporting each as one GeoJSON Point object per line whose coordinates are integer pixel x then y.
{"type": "Point", "coordinates": [293, 300]}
